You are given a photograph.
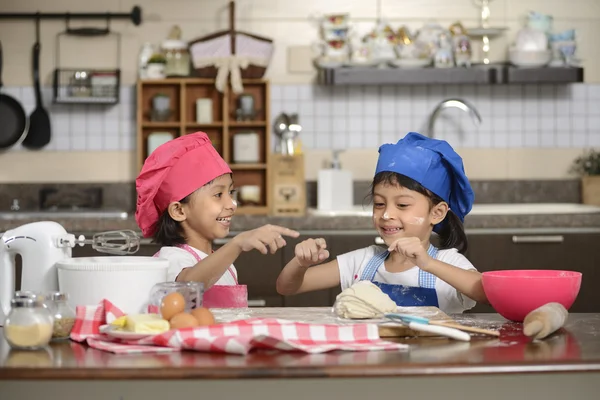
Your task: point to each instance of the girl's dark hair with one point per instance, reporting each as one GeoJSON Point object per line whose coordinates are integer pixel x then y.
{"type": "Point", "coordinates": [451, 233]}
{"type": "Point", "coordinates": [168, 231]}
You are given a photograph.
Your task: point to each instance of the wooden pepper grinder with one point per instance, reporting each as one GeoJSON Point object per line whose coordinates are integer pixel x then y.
{"type": "Point", "coordinates": [545, 320]}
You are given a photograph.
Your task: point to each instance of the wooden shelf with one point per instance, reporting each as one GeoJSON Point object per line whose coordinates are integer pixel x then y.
{"type": "Point", "coordinates": [248, 124]}
{"type": "Point", "coordinates": [177, 81]}
{"type": "Point", "coordinates": [183, 94]}
{"type": "Point", "coordinates": [200, 126]}
{"type": "Point", "coordinates": [247, 166]}
{"type": "Point", "coordinates": [159, 125]}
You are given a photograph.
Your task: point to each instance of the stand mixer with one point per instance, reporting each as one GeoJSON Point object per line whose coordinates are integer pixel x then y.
{"type": "Point", "coordinates": [41, 245]}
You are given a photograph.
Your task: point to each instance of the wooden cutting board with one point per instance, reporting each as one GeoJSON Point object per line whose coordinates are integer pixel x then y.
{"type": "Point", "coordinates": [324, 315]}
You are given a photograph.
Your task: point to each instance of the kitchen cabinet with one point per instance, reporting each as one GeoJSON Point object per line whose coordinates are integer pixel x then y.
{"type": "Point", "coordinates": [563, 251]}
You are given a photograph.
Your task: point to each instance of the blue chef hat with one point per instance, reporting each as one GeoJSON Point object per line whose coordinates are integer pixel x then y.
{"type": "Point", "coordinates": [434, 164]}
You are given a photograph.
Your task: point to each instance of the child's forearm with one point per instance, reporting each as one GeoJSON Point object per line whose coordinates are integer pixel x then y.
{"type": "Point", "coordinates": [467, 282]}
{"type": "Point", "coordinates": [291, 278]}
{"type": "Point", "coordinates": [211, 269]}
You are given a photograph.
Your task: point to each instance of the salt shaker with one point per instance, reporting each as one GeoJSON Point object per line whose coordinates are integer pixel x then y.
{"type": "Point", "coordinates": [28, 325]}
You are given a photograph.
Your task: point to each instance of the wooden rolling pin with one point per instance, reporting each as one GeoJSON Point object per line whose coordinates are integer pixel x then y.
{"type": "Point", "coordinates": [545, 320]}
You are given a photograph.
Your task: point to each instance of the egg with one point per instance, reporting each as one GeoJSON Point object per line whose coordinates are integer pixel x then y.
{"type": "Point", "coordinates": [172, 304]}
{"type": "Point", "coordinates": [204, 316]}
{"type": "Point", "coordinates": [183, 320]}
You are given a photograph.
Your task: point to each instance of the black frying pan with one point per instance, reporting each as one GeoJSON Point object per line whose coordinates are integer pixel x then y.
{"type": "Point", "coordinates": [13, 120]}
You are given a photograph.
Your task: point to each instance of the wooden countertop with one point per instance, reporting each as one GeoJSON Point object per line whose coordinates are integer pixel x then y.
{"type": "Point", "coordinates": [576, 348]}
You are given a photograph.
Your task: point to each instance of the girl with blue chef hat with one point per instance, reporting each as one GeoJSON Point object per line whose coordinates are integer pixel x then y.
{"type": "Point", "coordinates": [419, 186]}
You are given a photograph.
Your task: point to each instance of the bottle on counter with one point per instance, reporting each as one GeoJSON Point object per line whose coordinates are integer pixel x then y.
{"type": "Point", "coordinates": [28, 325]}
{"type": "Point", "coordinates": [146, 52]}
{"type": "Point", "coordinates": [64, 315]}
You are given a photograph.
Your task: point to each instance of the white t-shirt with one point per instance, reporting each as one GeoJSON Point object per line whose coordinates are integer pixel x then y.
{"type": "Point", "coordinates": [352, 264]}
{"type": "Point", "coordinates": [180, 259]}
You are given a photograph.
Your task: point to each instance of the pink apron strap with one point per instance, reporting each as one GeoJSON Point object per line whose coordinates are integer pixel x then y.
{"type": "Point", "coordinates": [189, 249]}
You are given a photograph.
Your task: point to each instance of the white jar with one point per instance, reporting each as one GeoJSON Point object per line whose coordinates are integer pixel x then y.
{"type": "Point", "coordinates": [28, 325]}
{"type": "Point", "coordinates": [204, 111]}
{"type": "Point", "coordinates": [178, 58]}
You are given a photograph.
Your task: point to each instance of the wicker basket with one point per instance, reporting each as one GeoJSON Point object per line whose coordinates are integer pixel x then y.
{"type": "Point", "coordinates": [228, 43]}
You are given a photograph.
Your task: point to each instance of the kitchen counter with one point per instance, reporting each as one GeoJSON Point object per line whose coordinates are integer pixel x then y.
{"type": "Point", "coordinates": [572, 355]}
{"type": "Point", "coordinates": [500, 216]}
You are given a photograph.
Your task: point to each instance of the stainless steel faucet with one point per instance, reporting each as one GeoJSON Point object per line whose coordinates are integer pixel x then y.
{"type": "Point", "coordinates": [452, 103]}
{"type": "Point", "coordinates": [15, 205]}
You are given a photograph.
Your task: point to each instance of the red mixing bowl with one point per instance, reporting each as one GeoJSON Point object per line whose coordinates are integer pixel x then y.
{"type": "Point", "coordinates": [515, 293]}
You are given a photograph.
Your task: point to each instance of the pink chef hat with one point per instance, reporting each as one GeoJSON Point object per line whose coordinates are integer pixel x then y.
{"type": "Point", "coordinates": [173, 171]}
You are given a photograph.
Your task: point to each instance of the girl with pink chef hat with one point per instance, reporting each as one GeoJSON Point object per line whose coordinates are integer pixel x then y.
{"type": "Point", "coordinates": [184, 202]}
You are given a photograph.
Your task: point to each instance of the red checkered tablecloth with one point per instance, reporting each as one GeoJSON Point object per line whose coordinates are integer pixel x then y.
{"type": "Point", "coordinates": [237, 337]}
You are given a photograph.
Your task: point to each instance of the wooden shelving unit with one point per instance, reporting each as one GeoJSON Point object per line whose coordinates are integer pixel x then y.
{"type": "Point", "coordinates": [183, 93]}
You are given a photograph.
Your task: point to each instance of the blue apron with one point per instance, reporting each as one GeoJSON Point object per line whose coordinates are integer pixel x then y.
{"type": "Point", "coordinates": [405, 296]}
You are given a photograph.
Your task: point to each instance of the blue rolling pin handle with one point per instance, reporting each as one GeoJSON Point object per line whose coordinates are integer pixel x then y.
{"type": "Point", "coordinates": [407, 318]}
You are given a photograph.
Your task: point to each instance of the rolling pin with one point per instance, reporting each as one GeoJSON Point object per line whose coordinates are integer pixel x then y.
{"type": "Point", "coordinates": [545, 320]}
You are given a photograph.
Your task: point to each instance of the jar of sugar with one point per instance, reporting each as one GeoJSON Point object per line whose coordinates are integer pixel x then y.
{"type": "Point", "coordinates": [28, 325]}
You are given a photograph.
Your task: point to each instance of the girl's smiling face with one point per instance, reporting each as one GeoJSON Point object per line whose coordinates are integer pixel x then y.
{"type": "Point", "coordinates": [401, 212]}
{"type": "Point", "coordinates": [209, 211]}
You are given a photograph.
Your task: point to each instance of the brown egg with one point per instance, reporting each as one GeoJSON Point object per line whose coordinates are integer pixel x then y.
{"type": "Point", "coordinates": [172, 304]}
{"type": "Point", "coordinates": [204, 316]}
{"type": "Point", "coordinates": [183, 320]}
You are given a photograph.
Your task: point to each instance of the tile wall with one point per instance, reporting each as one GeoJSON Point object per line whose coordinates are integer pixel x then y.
{"type": "Point", "coordinates": [513, 116]}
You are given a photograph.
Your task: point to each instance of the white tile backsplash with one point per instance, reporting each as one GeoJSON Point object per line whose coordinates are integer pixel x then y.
{"type": "Point", "coordinates": [515, 116]}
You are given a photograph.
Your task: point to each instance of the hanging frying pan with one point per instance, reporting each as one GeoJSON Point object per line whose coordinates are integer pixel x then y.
{"type": "Point", "coordinates": [13, 120]}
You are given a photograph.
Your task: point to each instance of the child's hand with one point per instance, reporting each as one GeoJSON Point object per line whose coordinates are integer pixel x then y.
{"type": "Point", "coordinates": [311, 251]}
{"type": "Point", "coordinates": [260, 238]}
{"type": "Point", "coordinates": [412, 248]}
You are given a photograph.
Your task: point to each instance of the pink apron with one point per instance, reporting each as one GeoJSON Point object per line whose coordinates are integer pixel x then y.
{"type": "Point", "coordinates": [221, 296]}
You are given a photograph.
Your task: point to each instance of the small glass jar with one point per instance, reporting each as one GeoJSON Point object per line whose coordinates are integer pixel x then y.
{"type": "Point", "coordinates": [28, 325]}
{"type": "Point", "coordinates": [178, 58]}
{"type": "Point", "coordinates": [192, 292]}
{"type": "Point", "coordinates": [64, 315]}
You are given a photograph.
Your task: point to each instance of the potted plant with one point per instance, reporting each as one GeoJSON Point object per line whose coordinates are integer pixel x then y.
{"type": "Point", "coordinates": [588, 167]}
{"type": "Point", "coordinates": [155, 68]}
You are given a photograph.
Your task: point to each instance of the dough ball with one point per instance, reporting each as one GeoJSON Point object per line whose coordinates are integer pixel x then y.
{"type": "Point", "coordinates": [363, 300]}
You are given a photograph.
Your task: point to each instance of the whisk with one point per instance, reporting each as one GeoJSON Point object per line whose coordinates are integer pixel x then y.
{"type": "Point", "coordinates": [120, 242]}
{"type": "Point", "coordinates": [364, 309]}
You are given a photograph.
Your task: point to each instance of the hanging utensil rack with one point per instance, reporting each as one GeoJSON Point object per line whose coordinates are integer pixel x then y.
{"type": "Point", "coordinates": [87, 85]}
{"type": "Point", "coordinates": [135, 15]}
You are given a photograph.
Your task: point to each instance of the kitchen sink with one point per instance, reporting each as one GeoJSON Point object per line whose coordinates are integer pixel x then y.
{"type": "Point", "coordinates": [63, 214]}
{"type": "Point", "coordinates": [485, 209]}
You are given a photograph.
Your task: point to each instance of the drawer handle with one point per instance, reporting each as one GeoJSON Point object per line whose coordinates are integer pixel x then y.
{"type": "Point", "coordinates": [257, 303]}
{"type": "Point", "coordinates": [539, 239]}
{"type": "Point", "coordinates": [220, 242]}
{"type": "Point", "coordinates": [379, 240]}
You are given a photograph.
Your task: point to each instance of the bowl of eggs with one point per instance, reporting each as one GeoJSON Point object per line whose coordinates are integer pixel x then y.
{"type": "Point", "coordinates": [173, 310]}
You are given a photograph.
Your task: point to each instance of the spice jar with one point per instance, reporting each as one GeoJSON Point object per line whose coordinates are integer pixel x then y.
{"type": "Point", "coordinates": [64, 315]}
{"type": "Point", "coordinates": [28, 325]}
{"type": "Point", "coordinates": [177, 56]}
